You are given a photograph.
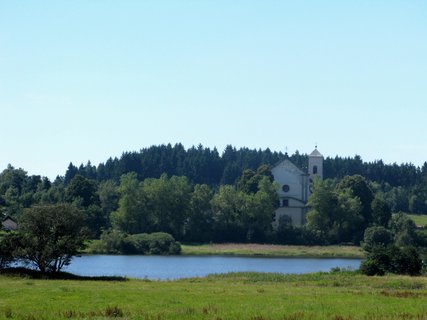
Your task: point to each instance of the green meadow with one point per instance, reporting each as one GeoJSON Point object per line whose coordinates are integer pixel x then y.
{"type": "Point", "coordinates": [419, 219]}
{"type": "Point", "coordinates": [274, 250]}
{"type": "Point", "coordinates": [253, 296]}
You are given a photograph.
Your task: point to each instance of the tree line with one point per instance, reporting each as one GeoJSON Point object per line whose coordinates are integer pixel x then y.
{"type": "Point", "coordinates": [196, 176]}
{"type": "Point", "coordinates": [403, 185]}
{"type": "Point", "coordinates": [172, 204]}
{"type": "Point", "coordinates": [202, 165]}
{"type": "Point", "coordinates": [340, 209]}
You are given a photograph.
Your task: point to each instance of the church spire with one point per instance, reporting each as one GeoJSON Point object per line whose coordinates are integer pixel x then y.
{"type": "Point", "coordinates": [315, 164]}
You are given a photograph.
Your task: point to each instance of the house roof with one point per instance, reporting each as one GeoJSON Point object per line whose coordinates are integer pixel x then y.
{"type": "Point", "coordinates": [8, 217]}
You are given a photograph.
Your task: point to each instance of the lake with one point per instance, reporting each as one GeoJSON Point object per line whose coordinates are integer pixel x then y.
{"type": "Point", "coordinates": [177, 267]}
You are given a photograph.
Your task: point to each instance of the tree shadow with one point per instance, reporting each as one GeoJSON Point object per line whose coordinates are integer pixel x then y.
{"type": "Point", "coordinates": [35, 274]}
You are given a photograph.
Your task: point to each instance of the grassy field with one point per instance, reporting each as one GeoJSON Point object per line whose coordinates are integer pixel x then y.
{"type": "Point", "coordinates": [419, 219]}
{"type": "Point", "coordinates": [240, 296]}
{"type": "Point", "coordinates": [274, 250]}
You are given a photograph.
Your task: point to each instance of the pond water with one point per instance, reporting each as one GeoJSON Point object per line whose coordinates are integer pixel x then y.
{"type": "Point", "coordinates": [176, 267]}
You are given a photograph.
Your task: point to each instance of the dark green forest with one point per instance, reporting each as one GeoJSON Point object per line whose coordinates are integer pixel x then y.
{"type": "Point", "coordinates": [200, 195]}
{"type": "Point", "coordinates": [207, 166]}
{"type": "Point", "coordinates": [404, 185]}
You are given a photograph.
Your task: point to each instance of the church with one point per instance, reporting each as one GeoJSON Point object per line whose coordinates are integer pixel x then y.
{"type": "Point", "coordinates": [294, 187]}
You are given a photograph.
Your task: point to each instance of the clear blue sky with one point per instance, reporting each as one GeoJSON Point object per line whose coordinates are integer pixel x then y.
{"type": "Point", "coordinates": [85, 80]}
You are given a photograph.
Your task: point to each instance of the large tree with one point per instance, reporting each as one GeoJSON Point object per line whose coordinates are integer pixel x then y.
{"type": "Point", "coordinates": [132, 214]}
{"type": "Point", "coordinates": [200, 221]}
{"type": "Point", "coordinates": [168, 199]}
{"type": "Point", "coordinates": [381, 212]}
{"type": "Point", "coordinates": [228, 206]}
{"type": "Point", "coordinates": [259, 210]}
{"type": "Point", "coordinates": [82, 190]}
{"type": "Point", "coordinates": [335, 213]}
{"type": "Point", "coordinates": [49, 236]}
{"type": "Point", "coordinates": [359, 187]}
{"type": "Point", "coordinates": [7, 248]}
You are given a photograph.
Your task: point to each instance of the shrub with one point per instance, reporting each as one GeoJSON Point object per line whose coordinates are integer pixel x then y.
{"type": "Point", "coordinates": [376, 236]}
{"type": "Point", "coordinates": [112, 241]}
{"type": "Point", "coordinates": [405, 261]}
{"type": "Point", "coordinates": [163, 243]}
{"type": "Point", "coordinates": [377, 262]}
{"type": "Point", "coordinates": [116, 242]}
{"type": "Point", "coordinates": [137, 244]}
{"type": "Point", "coordinates": [392, 259]}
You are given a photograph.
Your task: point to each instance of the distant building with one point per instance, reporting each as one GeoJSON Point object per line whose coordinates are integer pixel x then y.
{"type": "Point", "coordinates": [294, 187]}
{"type": "Point", "coordinates": [9, 224]}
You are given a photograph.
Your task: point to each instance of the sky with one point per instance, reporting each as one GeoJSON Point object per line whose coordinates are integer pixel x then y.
{"type": "Point", "coordinates": [87, 80]}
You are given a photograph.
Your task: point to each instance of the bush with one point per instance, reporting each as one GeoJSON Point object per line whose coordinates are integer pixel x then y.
{"type": "Point", "coordinates": [116, 242]}
{"type": "Point", "coordinates": [377, 262]}
{"type": "Point", "coordinates": [111, 241]}
{"type": "Point", "coordinates": [371, 268]}
{"type": "Point", "coordinates": [137, 244]}
{"type": "Point", "coordinates": [405, 261]}
{"type": "Point", "coordinates": [163, 243]}
{"type": "Point", "coordinates": [392, 259]}
{"type": "Point", "coordinates": [376, 236]}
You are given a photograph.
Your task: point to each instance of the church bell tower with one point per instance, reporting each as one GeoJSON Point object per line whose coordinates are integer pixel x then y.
{"type": "Point", "coordinates": [315, 165]}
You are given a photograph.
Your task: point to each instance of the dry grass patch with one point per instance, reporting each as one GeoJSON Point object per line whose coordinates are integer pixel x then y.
{"type": "Point", "coordinates": [253, 249]}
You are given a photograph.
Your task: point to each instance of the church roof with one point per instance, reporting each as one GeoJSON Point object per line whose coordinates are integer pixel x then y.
{"type": "Point", "coordinates": [289, 166]}
{"type": "Point", "coordinates": [315, 153]}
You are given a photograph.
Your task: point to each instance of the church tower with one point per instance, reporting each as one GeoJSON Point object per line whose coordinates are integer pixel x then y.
{"type": "Point", "coordinates": [315, 165]}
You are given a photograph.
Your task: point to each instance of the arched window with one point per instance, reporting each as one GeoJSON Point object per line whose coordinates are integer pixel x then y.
{"type": "Point", "coordinates": [314, 169]}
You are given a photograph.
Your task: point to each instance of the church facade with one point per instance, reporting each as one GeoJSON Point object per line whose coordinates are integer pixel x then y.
{"type": "Point", "coordinates": [294, 187]}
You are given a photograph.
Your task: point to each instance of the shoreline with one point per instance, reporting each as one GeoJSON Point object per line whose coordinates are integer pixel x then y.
{"type": "Point", "coordinates": [264, 250]}
{"type": "Point", "coordinates": [269, 250]}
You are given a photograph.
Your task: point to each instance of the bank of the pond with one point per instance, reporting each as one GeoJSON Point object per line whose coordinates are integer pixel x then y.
{"type": "Point", "coordinates": [271, 250]}
{"type": "Point", "coordinates": [320, 296]}
{"type": "Point", "coordinates": [254, 249]}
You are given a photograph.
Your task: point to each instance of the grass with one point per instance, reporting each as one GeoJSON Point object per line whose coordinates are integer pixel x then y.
{"type": "Point", "coordinates": [419, 219]}
{"type": "Point", "coordinates": [269, 250]}
{"type": "Point", "coordinates": [274, 250]}
{"type": "Point", "coordinates": [251, 296]}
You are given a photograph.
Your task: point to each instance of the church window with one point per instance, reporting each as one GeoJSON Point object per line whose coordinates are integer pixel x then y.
{"type": "Point", "coordinates": [315, 170]}
{"type": "Point", "coordinates": [285, 188]}
{"type": "Point", "coordinates": [285, 203]}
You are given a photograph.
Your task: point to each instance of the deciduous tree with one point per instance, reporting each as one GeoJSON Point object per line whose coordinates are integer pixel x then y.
{"type": "Point", "coordinates": [50, 235]}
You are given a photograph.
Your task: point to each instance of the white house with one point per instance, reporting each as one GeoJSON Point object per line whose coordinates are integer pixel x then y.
{"type": "Point", "coordinates": [294, 187]}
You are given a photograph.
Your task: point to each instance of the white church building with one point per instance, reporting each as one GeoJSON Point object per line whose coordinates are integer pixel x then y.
{"type": "Point", "coordinates": [294, 187]}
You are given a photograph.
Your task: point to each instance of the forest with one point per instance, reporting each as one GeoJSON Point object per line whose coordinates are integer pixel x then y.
{"type": "Point", "coordinates": [200, 195]}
